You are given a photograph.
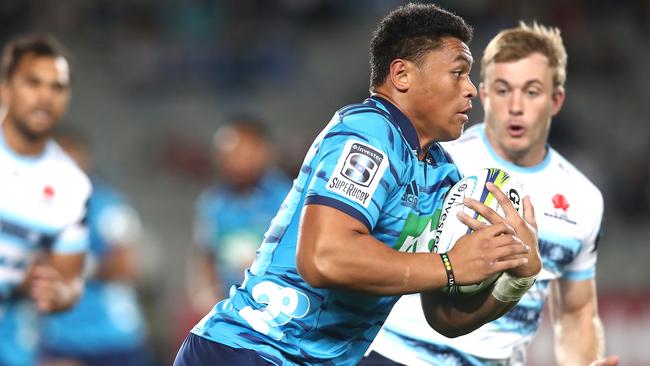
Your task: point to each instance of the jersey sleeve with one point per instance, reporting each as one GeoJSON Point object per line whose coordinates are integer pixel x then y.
{"type": "Point", "coordinates": [354, 172]}
{"type": "Point", "coordinates": [73, 237]}
{"type": "Point", "coordinates": [583, 267]}
{"type": "Point", "coordinates": [119, 224]}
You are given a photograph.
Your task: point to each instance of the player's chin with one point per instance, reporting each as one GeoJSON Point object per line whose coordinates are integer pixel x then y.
{"type": "Point", "coordinates": [516, 146]}
{"type": "Point", "coordinates": [454, 131]}
{"type": "Point", "coordinates": [41, 129]}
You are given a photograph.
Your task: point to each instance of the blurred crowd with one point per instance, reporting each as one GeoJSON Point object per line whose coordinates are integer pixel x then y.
{"type": "Point", "coordinates": [160, 86]}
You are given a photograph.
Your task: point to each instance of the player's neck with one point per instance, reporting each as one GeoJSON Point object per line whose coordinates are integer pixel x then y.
{"type": "Point", "coordinates": [526, 159]}
{"type": "Point", "coordinates": [19, 142]}
{"type": "Point", "coordinates": [423, 141]}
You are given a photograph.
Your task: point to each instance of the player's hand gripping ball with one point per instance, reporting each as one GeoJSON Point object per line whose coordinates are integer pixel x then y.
{"type": "Point", "coordinates": [450, 228]}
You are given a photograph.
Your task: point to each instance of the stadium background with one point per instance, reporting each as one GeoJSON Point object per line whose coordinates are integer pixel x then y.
{"type": "Point", "coordinates": [152, 79]}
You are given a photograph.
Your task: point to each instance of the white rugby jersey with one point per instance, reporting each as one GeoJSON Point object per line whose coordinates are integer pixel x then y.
{"type": "Point", "coordinates": [568, 209]}
{"type": "Point", "coordinates": [42, 206]}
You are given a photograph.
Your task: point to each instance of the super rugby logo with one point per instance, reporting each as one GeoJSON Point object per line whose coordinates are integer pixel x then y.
{"type": "Point", "coordinates": [361, 164]}
{"type": "Point", "coordinates": [358, 172]}
{"type": "Point", "coordinates": [349, 189]}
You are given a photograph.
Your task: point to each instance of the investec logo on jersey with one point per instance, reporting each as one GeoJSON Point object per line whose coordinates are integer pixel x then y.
{"type": "Point", "coordinates": [358, 172]}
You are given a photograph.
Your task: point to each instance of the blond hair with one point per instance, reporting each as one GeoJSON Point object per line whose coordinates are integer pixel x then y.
{"type": "Point", "coordinates": [516, 43]}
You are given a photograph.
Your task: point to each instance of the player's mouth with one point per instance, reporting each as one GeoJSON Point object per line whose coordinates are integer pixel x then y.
{"type": "Point", "coordinates": [516, 130]}
{"type": "Point", "coordinates": [463, 114]}
{"type": "Point", "coordinates": [40, 115]}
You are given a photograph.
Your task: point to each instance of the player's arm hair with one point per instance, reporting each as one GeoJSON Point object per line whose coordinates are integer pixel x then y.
{"type": "Point", "coordinates": [454, 316]}
{"type": "Point", "coordinates": [336, 250]}
{"type": "Point", "coordinates": [578, 331]}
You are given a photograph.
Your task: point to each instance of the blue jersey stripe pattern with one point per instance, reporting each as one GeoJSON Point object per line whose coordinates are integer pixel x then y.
{"type": "Point", "coordinates": [275, 312]}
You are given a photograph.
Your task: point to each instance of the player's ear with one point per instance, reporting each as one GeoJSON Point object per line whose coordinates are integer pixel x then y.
{"type": "Point", "coordinates": [557, 99]}
{"type": "Point", "coordinates": [400, 74]}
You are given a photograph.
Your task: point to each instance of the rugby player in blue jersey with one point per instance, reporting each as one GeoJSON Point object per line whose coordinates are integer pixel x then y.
{"type": "Point", "coordinates": [231, 217]}
{"type": "Point", "coordinates": [523, 73]}
{"type": "Point", "coordinates": [106, 326]}
{"type": "Point", "coordinates": [356, 230]}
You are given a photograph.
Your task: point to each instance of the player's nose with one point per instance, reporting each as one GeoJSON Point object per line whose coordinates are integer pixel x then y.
{"type": "Point", "coordinates": [470, 90]}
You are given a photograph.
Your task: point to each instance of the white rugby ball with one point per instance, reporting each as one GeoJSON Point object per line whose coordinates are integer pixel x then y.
{"type": "Point", "coordinates": [450, 228]}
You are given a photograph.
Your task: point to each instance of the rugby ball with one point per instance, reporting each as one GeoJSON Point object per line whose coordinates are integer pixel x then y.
{"type": "Point", "coordinates": [450, 228]}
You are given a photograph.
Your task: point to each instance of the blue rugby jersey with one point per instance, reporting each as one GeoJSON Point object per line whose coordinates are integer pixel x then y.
{"type": "Point", "coordinates": [229, 226]}
{"type": "Point", "coordinates": [106, 318]}
{"type": "Point", "coordinates": [364, 163]}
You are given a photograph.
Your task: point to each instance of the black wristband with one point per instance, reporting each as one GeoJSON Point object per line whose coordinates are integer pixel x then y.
{"type": "Point", "coordinates": [451, 280]}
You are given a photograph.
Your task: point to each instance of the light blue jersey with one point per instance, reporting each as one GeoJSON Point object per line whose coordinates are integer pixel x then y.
{"type": "Point", "coordinates": [364, 163]}
{"type": "Point", "coordinates": [230, 225]}
{"type": "Point", "coordinates": [42, 206]}
{"type": "Point", "coordinates": [568, 210]}
{"type": "Point", "coordinates": [106, 319]}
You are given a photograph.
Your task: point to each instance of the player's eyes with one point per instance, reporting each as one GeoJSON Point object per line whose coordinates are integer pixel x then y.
{"type": "Point", "coordinates": [532, 92]}
{"type": "Point", "coordinates": [31, 82]}
{"type": "Point", "coordinates": [58, 87]}
{"type": "Point", "coordinates": [501, 91]}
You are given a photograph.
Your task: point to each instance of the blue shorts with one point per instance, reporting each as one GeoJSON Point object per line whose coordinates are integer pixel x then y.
{"type": "Point", "coordinates": [198, 351]}
{"type": "Point", "coordinates": [132, 357]}
{"type": "Point", "coordinates": [375, 359]}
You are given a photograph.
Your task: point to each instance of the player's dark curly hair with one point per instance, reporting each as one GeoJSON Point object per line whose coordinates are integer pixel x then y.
{"type": "Point", "coordinates": [409, 32]}
{"type": "Point", "coordinates": [37, 44]}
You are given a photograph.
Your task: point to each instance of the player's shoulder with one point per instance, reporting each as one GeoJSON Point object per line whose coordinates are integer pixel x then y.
{"type": "Point", "coordinates": [106, 193]}
{"type": "Point", "coordinates": [471, 137]}
{"type": "Point", "coordinates": [275, 180]}
{"type": "Point", "coordinates": [575, 177]}
{"type": "Point", "coordinates": [212, 199]}
{"type": "Point", "coordinates": [66, 169]}
{"type": "Point", "coordinates": [368, 121]}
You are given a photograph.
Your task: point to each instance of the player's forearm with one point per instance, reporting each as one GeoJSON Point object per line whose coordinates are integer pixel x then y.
{"type": "Point", "coordinates": [455, 316]}
{"type": "Point", "coordinates": [579, 339]}
{"type": "Point", "coordinates": [362, 263]}
{"type": "Point", "coordinates": [118, 266]}
{"type": "Point", "coordinates": [66, 294]}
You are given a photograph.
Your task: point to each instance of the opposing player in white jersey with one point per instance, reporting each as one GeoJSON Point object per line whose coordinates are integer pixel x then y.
{"type": "Point", "coordinates": [523, 71]}
{"type": "Point", "coordinates": [42, 204]}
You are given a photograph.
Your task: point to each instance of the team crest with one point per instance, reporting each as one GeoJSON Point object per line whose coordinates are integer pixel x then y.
{"type": "Point", "coordinates": [561, 207]}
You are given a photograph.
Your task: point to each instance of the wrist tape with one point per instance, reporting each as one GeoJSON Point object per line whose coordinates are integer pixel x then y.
{"type": "Point", "coordinates": [509, 288]}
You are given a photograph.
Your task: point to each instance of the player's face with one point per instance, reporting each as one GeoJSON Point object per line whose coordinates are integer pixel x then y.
{"type": "Point", "coordinates": [441, 91]}
{"type": "Point", "coordinates": [37, 95]}
{"type": "Point", "coordinates": [519, 100]}
{"type": "Point", "coordinates": [242, 158]}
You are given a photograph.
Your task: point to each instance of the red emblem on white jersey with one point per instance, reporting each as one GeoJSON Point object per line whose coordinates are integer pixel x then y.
{"type": "Point", "coordinates": [48, 192]}
{"type": "Point", "coordinates": [559, 201]}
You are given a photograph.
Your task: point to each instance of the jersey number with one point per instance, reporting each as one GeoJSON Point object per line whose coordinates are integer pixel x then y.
{"type": "Point", "coordinates": [282, 305]}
